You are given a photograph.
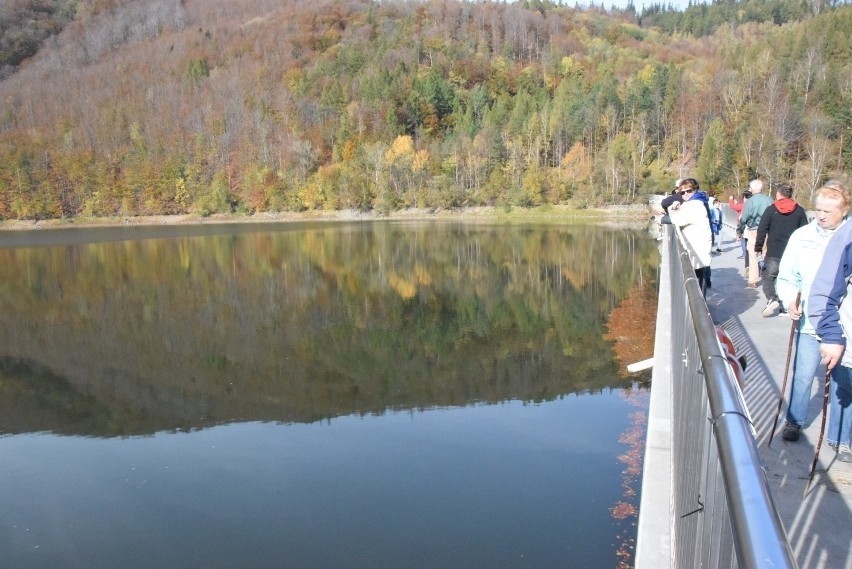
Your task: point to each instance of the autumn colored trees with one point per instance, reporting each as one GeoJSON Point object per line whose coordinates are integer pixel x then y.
{"type": "Point", "coordinates": [321, 322]}
{"type": "Point", "coordinates": [163, 106]}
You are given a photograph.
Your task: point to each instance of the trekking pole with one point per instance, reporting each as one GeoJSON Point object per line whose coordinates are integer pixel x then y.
{"type": "Point", "coordinates": [786, 373]}
{"type": "Point", "coordinates": [825, 395]}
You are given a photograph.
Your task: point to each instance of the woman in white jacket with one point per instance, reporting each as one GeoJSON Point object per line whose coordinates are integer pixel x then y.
{"type": "Point", "coordinates": [799, 265]}
{"type": "Point", "coordinates": [693, 218]}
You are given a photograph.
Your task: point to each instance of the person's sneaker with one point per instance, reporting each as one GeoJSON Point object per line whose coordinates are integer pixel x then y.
{"type": "Point", "coordinates": [770, 308]}
{"type": "Point", "coordinates": [791, 432]}
{"type": "Point", "coordinates": [844, 453]}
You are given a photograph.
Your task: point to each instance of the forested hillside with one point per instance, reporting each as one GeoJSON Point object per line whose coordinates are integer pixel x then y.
{"type": "Point", "coordinates": [24, 25]}
{"type": "Point", "coordinates": [132, 107]}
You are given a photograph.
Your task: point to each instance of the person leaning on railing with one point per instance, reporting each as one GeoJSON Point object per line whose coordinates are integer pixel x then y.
{"type": "Point", "coordinates": [693, 219]}
{"type": "Point", "coordinates": [796, 272]}
{"type": "Point", "coordinates": [673, 198]}
{"type": "Point", "coordinates": [831, 315]}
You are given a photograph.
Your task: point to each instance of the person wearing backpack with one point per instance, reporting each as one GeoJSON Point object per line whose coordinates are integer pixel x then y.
{"type": "Point", "coordinates": [692, 216]}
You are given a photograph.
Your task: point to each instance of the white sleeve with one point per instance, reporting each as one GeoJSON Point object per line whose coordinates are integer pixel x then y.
{"type": "Point", "coordinates": [789, 281]}
{"type": "Point", "coordinates": [686, 215]}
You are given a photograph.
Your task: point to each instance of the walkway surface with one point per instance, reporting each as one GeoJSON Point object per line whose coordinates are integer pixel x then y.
{"type": "Point", "coordinates": [819, 523]}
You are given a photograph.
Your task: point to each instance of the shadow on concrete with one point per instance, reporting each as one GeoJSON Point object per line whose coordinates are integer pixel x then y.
{"type": "Point", "coordinates": [729, 296]}
{"type": "Point", "coordinates": [817, 522]}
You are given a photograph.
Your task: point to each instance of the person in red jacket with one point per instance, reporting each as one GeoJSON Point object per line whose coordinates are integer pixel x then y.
{"type": "Point", "coordinates": [777, 223]}
{"type": "Point", "coordinates": [738, 206]}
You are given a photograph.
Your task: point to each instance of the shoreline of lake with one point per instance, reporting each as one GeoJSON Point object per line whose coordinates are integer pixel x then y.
{"type": "Point", "coordinates": [616, 214]}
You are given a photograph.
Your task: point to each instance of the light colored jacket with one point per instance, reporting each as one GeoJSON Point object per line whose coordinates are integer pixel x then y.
{"type": "Point", "coordinates": [692, 219]}
{"type": "Point", "coordinates": [799, 265]}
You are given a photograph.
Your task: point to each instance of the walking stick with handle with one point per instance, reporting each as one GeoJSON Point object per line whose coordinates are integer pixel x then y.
{"type": "Point", "coordinates": [786, 373]}
{"type": "Point", "coordinates": [825, 395]}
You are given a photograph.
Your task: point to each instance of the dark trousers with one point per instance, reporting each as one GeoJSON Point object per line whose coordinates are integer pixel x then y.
{"type": "Point", "coordinates": [770, 275]}
{"type": "Point", "coordinates": [703, 276]}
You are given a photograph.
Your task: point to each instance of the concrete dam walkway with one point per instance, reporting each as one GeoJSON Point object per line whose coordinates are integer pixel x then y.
{"type": "Point", "coordinates": [818, 525]}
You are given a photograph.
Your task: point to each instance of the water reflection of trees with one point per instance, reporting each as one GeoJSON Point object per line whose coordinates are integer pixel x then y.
{"type": "Point", "coordinates": [138, 336]}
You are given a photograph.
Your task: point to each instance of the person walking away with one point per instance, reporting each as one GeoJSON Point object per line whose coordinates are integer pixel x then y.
{"type": "Point", "coordinates": [777, 223]}
{"type": "Point", "coordinates": [716, 222]}
{"type": "Point", "coordinates": [799, 264]}
{"type": "Point", "coordinates": [738, 207]}
{"type": "Point", "coordinates": [832, 318]}
{"type": "Point", "coordinates": [692, 218]}
{"type": "Point", "coordinates": [752, 212]}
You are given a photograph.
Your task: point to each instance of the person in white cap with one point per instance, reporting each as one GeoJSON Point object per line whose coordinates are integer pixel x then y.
{"type": "Point", "coordinates": [674, 197]}
{"type": "Point", "coordinates": [750, 219]}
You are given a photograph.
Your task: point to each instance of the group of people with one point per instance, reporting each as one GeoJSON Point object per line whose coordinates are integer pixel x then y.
{"type": "Point", "coordinates": [765, 226]}
{"type": "Point", "coordinates": [806, 269]}
{"type": "Point", "coordinates": [812, 283]}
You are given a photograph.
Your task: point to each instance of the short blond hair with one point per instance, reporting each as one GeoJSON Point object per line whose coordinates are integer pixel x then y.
{"type": "Point", "coordinates": [834, 190]}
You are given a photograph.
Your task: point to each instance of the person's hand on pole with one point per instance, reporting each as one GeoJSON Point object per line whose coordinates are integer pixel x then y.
{"type": "Point", "coordinates": [831, 354]}
{"type": "Point", "coordinates": [794, 311]}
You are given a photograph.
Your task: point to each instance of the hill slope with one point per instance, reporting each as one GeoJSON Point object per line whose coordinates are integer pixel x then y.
{"type": "Point", "coordinates": [170, 106]}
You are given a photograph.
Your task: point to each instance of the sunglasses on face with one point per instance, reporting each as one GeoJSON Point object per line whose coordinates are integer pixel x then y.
{"type": "Point", "coordinates": [682, 192]}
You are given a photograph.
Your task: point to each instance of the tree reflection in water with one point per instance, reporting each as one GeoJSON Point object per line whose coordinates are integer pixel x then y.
{"type": "Point", "coordinates": [300, 324]}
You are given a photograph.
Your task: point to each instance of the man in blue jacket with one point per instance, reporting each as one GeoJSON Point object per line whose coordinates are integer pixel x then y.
{"type": "Point", "coordinates": [833, 317]}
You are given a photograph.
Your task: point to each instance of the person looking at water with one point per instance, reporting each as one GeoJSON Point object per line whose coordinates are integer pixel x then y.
{"type": "Point", "coordinates": [832, 317]}
{"type": "Point", "coordinates": [693, 219]}
{"type": "Point", "coordinates": [799, 264]}
{"type": "Point", "coordinates": [778, 222]}
{"type": "Point", "coordinates": [672, 198]}
{"type": "Point", "coordinates": [752, 212]}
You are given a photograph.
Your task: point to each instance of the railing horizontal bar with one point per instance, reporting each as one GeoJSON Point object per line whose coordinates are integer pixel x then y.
{"type": "Point", "coordinates": [715, 465]}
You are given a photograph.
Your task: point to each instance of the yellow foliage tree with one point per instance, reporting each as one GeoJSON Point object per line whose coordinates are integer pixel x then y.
{"type": "Point", "coordinates": [312, 194]}
{"type": "Point", "coordinates": [401, 149]}
{"type": "Point", "coordinates": [576, 168]}
{"type": "Point", "coordinates": [400, 158]}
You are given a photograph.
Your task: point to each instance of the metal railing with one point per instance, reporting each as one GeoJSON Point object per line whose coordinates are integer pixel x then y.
{"type": "Point", "coordinates": [705, 497]}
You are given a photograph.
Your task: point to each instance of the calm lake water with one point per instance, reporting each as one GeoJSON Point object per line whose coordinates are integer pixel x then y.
{"type": "Point", "coordinates": [353, 395]}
